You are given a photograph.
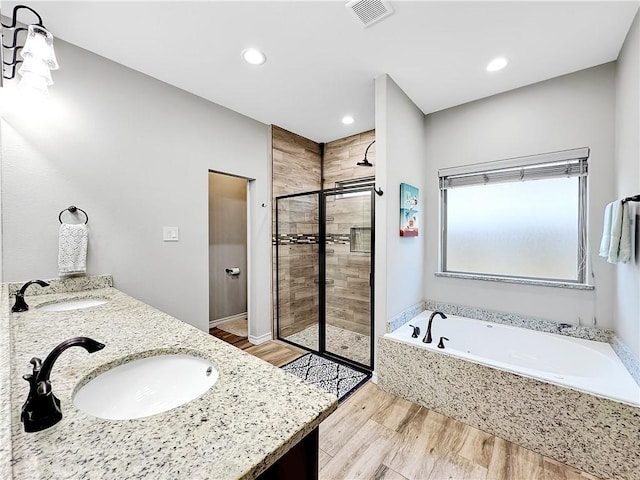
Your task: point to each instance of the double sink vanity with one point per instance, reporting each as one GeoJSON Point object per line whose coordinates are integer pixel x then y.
{"type": "Point", "coordinates": [161, 399]}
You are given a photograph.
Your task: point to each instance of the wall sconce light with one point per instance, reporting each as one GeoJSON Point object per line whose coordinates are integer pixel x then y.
{"type": "Point", "coordinates": [38, 55]}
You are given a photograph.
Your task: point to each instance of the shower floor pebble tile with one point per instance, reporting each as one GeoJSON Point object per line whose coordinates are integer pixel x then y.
{"type": "Point", "coordinates": [345, 343]}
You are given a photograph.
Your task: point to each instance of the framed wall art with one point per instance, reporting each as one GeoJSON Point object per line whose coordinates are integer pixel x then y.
{"type": "Point", "coordinates": [409, 203]}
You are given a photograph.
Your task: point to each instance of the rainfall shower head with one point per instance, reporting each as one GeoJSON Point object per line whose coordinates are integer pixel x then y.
{"type": "Point", "coordinates": [365, 162]}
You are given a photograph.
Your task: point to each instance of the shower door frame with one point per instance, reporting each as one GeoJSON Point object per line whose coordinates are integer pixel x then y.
{"type": "Point", "coordinates": [322, 294]}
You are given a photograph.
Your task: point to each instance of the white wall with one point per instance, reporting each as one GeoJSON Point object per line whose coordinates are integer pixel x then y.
{"type": "Point", "coordinates": [627, 156]}
{"type": "Point", "coordinates": [135, 154]}
{"type": "Point", "coordinates": [400, 158]}
{"type": "Point", "coordinates": [575, 110]}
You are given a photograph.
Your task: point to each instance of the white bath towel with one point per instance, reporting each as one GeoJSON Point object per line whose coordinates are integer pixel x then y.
{"type": "Point", "coordinates": [72, 248]}
{"type": "Point", "coordinates": [605, 243]}
{"type": "Point", "coordinates": [620, 245]}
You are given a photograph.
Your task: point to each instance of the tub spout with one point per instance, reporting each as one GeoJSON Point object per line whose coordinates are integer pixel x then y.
{"type": "Point", "coordinates": [427, 338]}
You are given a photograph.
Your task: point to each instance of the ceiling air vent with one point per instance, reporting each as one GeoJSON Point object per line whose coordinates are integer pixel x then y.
{"type": "Point", "coordinates": [369, 12]}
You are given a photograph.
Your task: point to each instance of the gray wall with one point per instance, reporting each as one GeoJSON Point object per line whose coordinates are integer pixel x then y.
{"type": "Point", "coordinates": [227, 245]}
{"type": "Point", "coordinates": [575, 110]}
{"type": "Point", "coordinates": [627, 156]}
{"type": "Point", "coordinates": [135, 153]}
{"type": "Point", "coordinates": [400, 157]}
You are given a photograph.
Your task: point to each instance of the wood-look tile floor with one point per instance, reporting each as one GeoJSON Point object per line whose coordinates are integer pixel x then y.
{"type": "Point", "coordinates": [376, 435]}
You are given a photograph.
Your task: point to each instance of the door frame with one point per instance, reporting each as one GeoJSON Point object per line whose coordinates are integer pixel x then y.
{"type": "Point", "coordinates": [249, 269]}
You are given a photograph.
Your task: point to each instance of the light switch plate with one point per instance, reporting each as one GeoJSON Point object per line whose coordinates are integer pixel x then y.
{"type": "Point", "coordinates": [170, 234]}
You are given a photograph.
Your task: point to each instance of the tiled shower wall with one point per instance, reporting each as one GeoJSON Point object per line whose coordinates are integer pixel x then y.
{"type": "Point", "coordinates": [348, 292]}
{"type": "Point", "coordinates": [296, 168]}
{"type": "Point", "coordinates": [348, 298]}
{"type": "Point", "coordinates": [341, 156]}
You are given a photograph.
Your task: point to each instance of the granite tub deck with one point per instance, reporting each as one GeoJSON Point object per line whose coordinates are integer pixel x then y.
{"type": "Point", "coordinates": [248, 420]}
{"type": "Point", "coordinates": [593, 434]}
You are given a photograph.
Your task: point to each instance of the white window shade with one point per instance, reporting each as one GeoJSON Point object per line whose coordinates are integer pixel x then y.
{"type": "Point", "coordinates": [568, 163]}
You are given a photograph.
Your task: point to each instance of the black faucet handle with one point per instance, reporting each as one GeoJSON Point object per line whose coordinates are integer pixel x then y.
{"type": "Point", "coordinates": [37, 365]}
{"type": "Point", "coordinates": [32, 377]}
{"type": "Point", "coordinates": [416, 331]}
{"type": "Point", "coordinates": [441, 343]}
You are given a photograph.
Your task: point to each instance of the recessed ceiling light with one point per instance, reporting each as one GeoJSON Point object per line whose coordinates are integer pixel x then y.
{"type": "Point", "coordinates": [254, 56]}
{"type": "Point", "coordinates": [497, 64]}
{"type": "Point", "coordinates": [348, 120]}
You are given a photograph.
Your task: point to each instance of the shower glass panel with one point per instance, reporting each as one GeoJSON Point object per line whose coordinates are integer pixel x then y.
{"type": "Point", "coordinates": [297, 267]}
{"type": "Point", "coordinates": [324, 272]}
{"type": "Point", "coordinates": [348, 269]}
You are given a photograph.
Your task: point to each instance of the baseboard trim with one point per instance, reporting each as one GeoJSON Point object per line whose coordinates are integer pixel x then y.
{"type": "Point", "coordinates": [261, 339]}
{"type": "Point", "coordinates": [374, 377]}
{"type": "Point", "coordinates": [215, 323]}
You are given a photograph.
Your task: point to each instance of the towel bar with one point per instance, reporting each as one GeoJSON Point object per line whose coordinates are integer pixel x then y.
{"type": "Point", "coordinates": [635, 198]}
{"type": "Point", "coordinates": [73, 209]}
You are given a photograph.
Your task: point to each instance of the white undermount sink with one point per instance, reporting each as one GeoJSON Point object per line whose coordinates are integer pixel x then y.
{"type": "Point", "coordinates": [146, 387]}
{"type": "Point", "coordinates": [72, 305]}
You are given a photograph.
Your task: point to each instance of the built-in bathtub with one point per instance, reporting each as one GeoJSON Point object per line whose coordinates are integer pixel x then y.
{"type": "Point", "coordinates": [566, 398]}
{"type": "Point", "coordinates": [584, 365]}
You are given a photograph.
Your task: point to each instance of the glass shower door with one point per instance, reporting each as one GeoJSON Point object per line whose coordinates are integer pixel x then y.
{"type": "Point", "coordinates": [297, 269]}
{"type": "Point", "coordinates": [348, 273]}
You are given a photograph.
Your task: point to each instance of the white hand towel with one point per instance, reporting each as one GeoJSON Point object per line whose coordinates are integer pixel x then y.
{"type": "Point", "coordinates": [620, 246]}
{"type": "Point", "coordinates": [72, 248]}
{"type": "Point", "coordinates": [606, 231]}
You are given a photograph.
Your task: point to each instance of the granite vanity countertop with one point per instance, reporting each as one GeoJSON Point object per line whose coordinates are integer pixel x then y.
{"type": "Point", "coordinates": [251, 416]}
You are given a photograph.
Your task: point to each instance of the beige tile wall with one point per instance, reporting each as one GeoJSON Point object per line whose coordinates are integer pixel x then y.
{"type": "Point", "coordinates": [296, 168]}
{"type": "Point", "coordinates": [296, 163]}
{"type": "Point", "coordinates": [341, 156]}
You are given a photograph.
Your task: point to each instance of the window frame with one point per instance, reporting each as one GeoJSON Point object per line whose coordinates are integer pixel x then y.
{"type": "Point", "coordinates": [485, 169]}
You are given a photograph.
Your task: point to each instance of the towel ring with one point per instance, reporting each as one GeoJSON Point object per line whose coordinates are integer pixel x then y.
{"type": "Point", "coordinates": [73, 209]}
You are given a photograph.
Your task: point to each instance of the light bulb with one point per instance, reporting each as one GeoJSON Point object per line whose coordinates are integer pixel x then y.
{"type": "Point", "coordinates": [253, 56]}
{"type": "Point", "coordinates": [497, 64]}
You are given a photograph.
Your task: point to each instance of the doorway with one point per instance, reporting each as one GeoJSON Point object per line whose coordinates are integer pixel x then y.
{"type": "Point", "coordinates": [228, 253]}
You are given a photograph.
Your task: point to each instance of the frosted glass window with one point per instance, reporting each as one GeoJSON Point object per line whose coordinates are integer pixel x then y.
{"type": "Point", "coordinates": [522, 229]}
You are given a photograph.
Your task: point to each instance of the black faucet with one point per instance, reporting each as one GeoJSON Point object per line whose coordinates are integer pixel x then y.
{"type": "Point", "coordinates": [21, 305]}
{"type": "Point", "coordinates": [427, 338]}
{"type": "Point", "coordinates": [42, 408]}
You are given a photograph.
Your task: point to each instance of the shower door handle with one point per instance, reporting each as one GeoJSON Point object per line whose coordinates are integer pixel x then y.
{"type": "Point", "coordinates": [329, 281]}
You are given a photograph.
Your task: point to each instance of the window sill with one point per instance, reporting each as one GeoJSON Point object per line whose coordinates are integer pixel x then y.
{"type": "Point", "coordinates": [521, 281]}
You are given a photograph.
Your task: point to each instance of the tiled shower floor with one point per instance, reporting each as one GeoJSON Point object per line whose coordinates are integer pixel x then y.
{"type": "Point", "coordinates": [345, 343]}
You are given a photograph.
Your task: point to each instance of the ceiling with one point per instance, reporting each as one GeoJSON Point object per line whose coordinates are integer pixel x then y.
{"type": "Point", "coordinates": [321, 62]}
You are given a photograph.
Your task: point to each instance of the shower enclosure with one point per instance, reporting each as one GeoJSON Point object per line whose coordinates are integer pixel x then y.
{"type": "Point", "coordinates": [324, 271]}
